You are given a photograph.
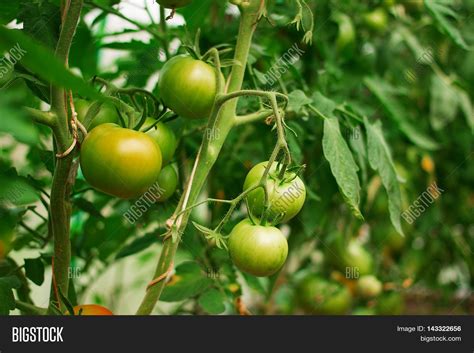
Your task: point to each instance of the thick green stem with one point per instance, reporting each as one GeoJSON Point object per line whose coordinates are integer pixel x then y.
{"type": "Point", "coordinates": [221, 122]}
{"type": "Point", "coordinates": [60, 207]}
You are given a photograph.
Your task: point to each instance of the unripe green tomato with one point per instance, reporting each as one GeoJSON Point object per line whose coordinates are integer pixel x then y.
{"type": "Point", "coordinates": [107, 113]}
{"type": "Point", "coordinates": [174, 4]}
{"type": "Point", "coordinates": [369, 286]}
{"type": "Point", "coordinates": [395, 242]}
{"type": "Point", "coordinates": [286, 197]}
{"type": "Point", "coordinates": [390, 304]}
{"type": "Point", "coordinates": [356, 257]}
{"type": "Point", "coordinates": [91, 310]}
{"type": "Point", "coordinates": [167, 183]}
{"type": "Point", "coordinates": [257, 250]}
{"type": "Point", "coordinates": [347, 34]}
{"type": "Point", "coordinates": [165, 138]}
{"type": "Point", "coordinates": [319, 296]}
{"type": "Point", "coordinates": [120, 162]}
{"type": "Point", "coordinates": [376, 20]}
{"type": "Point", "coordinates": [188, 86]}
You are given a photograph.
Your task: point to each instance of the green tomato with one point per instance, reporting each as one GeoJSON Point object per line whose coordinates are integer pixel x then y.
{"type": "Point", "coordinates": [107, 113]}
{"type": "Point", "coordinates": [369, 286]}
{"type": "Point", "coordinates": [376, 20]}
{"type": "Point", "coordinates": [173, 4]}
{"type": "Point", "coordinates": [390, 304]}
{"type": "Point", "coordinates": [395, 242]}
{"type": "Point", "coordinates": [167, 183]}
{"type": "Point", "coordinates": [188, 86]}
{"type": "Point", "coordinates": [165, 138]}
{"type": "Point", "coordinates": [347, 33]}
{"type": "Point", "coordinates": [357, 257]}
{"type": "Point", "coordinates": [286, 197]}
{"type": "Point", "coordinates": [319, 296]}
{"type": "Point", "coordinates": [361, 311]}
{"type": "Point", "coordinates": [120, 162]}
{"type": "Point", "coordinates": [257, 250]}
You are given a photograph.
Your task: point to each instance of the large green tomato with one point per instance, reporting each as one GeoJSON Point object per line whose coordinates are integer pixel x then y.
{"type": "Point", "coordinates": [167, 183]}
{"type": "Point", "coordinates": [188, 86]}
{"type": "Point", "coordinates": [286, 197]}
{"type": "Point", "coordinates": [257, 250]}
{"type": "Point", "coordinates": [107, 113]}
{"type": "Point", "coordinates": [173, 4]}
{"type": "Point", "coordinates": [319, 296]}
{"type": "Point", "coordinates": [165, 138]}
{"type": "Point", "coordinates": [120, 162]}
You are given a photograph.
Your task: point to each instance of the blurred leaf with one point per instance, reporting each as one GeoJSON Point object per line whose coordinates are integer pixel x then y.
{"type": "Point", "coordinates": [8, 10]}
{"type": "Point", "coordinates": [7, 300]}
{"type": "Point", "coordinates": [34, 269]}
{"type": "Point", "coordinates": [138, 244]}
{"type": "Point", "coordinates": [398, 113]}
{"type": "Point", "coordinates": [444, 103]}
{"type": "Point", "coordinates": [87, 206]}
{"type": "Point", "coordinates": [212, 301]}
{"type": "Point", "coordinates": [16, 190]}
{"type": "Point", "coordinates": [188, 281]}
{"type": "Point", "coordinates": [14, 121]}
{"type": "Point", "coordinates": [380, 159]}
{"type": "Point", "coordinates": [298, 100]}
{"type": "Point", "coordinates": [440, 11]}
{"type": "Point", "coordinates": [42, 61]}
{"type": "Point", "coordinates": [466, 106]}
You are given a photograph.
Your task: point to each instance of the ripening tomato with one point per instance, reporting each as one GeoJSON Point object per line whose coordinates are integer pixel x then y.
{"type": "Point", "coordinates": [320, 296]}
{"type": "Point", "coordinates": [347, 33]}
{"type": "Point", "coordinates": [258, 250]}
{"type": "Point", "coordinates": [120, 162]}
{"type": "Point", "coordinates": [91, 310]}
{"type": "Point", "coordinates": [167, 183]}
{"type": "Point", "coordinates": [107, 113]}
{"type": "Point", "coordinates": [174, 4]}
{"type": "Point", "coordinates": [286, 196]}
{"type": "Point", "coordinates": [188, 86]}
{"type": "Point", "coordinates": [165, 138]}
{"type": "Point", "coordinates": [369, 286]}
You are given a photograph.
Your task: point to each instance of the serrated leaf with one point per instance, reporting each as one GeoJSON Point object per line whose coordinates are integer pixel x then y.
{"type": "Point", "coordinates": [398, 113]}
{"type": "Point", "coordinates": [189, 281]}
{"type": "Point", "coordinates": [212, 301]}
{"type": "Point", "coordinates": [34, 270]}
{"type": "Point", "coordinates": [441, 13]}
{"type": "Point", "coordinates": [343, 166]}
{"type": "Point", "coordinates": [380, 159]}
{"type": "Point", "coordinates": [7, 300]}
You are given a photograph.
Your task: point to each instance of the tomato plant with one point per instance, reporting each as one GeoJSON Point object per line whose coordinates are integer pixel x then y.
{"type": "Point", "coordinates": [362, 112]}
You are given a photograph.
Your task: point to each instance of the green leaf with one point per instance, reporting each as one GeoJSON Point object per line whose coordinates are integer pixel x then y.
{"type": "Point", "coordinates": [34, 269]}
{"type": "Point", "coordinates": [189, 281]}
{"type": "Point", "coordinates": [444, 103]}
{"type": "Point", "coordinates": [466, 106]}
{"type": "Point", "coordinates": [441, 13]}
{"type": "Point", "coordinates": [16, 190]}
{"type": "Point", "coordinates": [297, 100]}
{"type": "Point", "coordinates": [398, 113]}
{"type": "Point", "coordinates": [342, 164]}
{"type": "Point", "coordinates": [87, 206]}
{"type": "Point", "coordinates": [380, 159]}
{"type": "Point", "coordinates": [212, 301]}
{"type": "Point", "coordinates": [138, 245]}
{"type": "Point", "coordinates": [8, 10]}
{"type": "Point", "coordinates": [7, 300]}
{"type": "Point", "coordinates": [42, 62]}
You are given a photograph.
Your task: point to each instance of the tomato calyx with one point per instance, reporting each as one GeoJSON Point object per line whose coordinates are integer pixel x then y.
{"type": "Point", "coordinates": [213, 235]}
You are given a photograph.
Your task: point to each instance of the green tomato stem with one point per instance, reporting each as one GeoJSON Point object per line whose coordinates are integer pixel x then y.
{"type": "Point", "coordinates": [220, 122]}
